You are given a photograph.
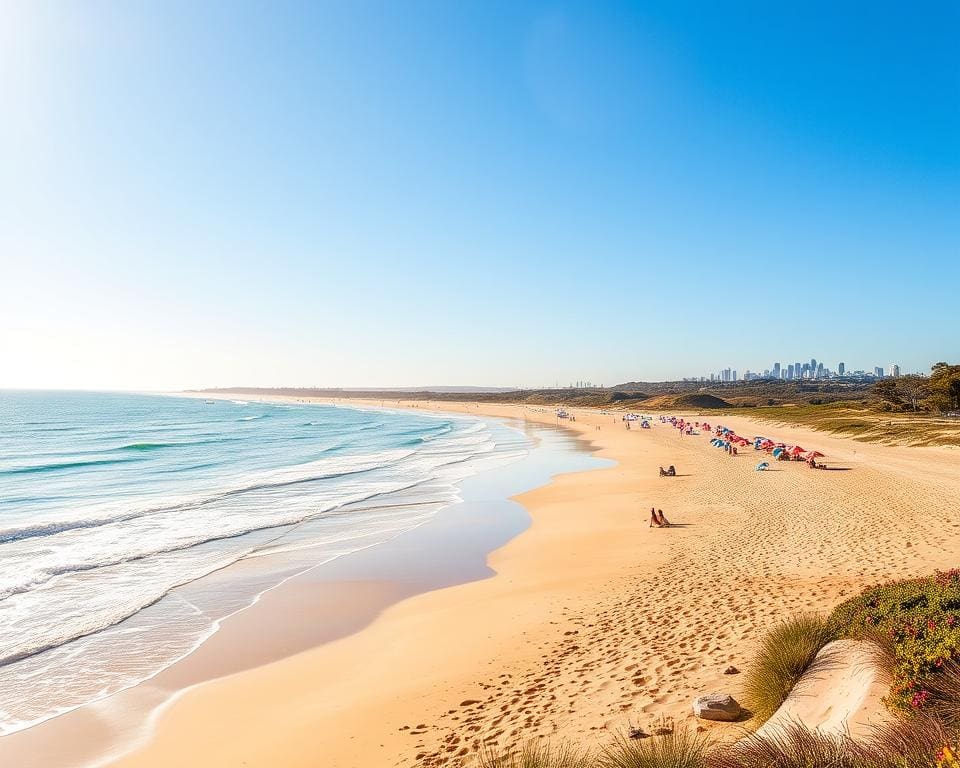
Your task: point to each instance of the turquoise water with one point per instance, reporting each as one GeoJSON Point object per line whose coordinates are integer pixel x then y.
{"type": "Point", "coordinates": [114, 507]}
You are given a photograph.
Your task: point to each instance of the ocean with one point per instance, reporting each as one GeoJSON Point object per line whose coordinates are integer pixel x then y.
{"type": "Point", "coordinates": [116, 511]}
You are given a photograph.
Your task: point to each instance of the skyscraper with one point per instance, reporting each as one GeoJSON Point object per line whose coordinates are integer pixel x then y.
{"type": "Point", "coordinates": [895, 370]}
{"type": "Point", "coordinates": [841, 368]}
{"type": "Point", "coordinates": [878, 372]}
{"type": "Point", "coordinates": [776, 370]}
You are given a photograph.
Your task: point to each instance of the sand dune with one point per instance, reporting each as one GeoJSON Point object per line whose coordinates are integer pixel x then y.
{"type": "Point", "coordinates": [839, 695]}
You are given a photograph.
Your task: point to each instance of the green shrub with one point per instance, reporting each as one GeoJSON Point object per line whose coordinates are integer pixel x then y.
{"type": "Point", "coordinates": [783, 656]}
{"type": "Point", "coordinates": [921, 618]}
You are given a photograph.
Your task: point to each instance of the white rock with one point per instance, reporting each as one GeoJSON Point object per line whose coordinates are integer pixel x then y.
{"type": "Point", "coordinates": [716, 706]}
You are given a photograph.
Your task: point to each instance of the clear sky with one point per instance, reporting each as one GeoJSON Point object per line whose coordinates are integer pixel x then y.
{"type": "Point", "coordinates": [384, 193]}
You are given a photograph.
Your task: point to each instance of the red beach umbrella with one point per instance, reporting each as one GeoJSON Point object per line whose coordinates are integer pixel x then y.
{"type": "Point", "coordinates": [814, 455]}
{"type": "Point", "coordinates": [796, 450]}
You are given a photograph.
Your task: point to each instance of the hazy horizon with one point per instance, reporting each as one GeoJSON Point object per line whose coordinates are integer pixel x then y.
{"type": "Point", "coordinates": [307, 194]}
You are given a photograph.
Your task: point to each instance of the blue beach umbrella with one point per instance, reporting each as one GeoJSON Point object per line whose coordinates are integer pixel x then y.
{"type": "Point", "coordinates": [777, 451]}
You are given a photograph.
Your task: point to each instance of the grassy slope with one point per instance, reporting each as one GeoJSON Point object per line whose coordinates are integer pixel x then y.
{"type": "Point", "coordinates": [861, 422]}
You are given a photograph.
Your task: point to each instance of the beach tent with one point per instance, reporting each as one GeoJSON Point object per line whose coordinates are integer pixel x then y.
{"type": "Point", "coordinates": [762, 466]}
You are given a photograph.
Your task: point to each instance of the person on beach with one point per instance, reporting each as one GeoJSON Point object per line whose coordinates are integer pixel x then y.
{"type": "Point", "coordinates": [654, 520]}
{"type": "Point", "coordinates": [661, 520]}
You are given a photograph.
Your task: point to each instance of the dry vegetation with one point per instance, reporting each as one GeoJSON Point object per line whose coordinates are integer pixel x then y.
{"type": "Point", "coordinates": [862, 422]}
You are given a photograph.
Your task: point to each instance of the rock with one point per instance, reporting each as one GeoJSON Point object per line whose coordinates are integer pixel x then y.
{"type": "Point", "coordinates": [731, 671]}
{"type": "Point", "coordinates": [716, 706]}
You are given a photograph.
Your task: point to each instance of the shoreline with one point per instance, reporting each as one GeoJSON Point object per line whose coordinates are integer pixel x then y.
{"type": "Point", "coordinates": [347, 594]}
{"type": "Point", "coordinates": [592, 621]}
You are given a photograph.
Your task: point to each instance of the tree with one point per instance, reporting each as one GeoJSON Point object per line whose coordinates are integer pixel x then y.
{"type": "Point", "coordinates": [913, 388]}
{"type": "Point", "coordinates": [944, 387]}
{"type": "Point", "coordinates": [886, 391]}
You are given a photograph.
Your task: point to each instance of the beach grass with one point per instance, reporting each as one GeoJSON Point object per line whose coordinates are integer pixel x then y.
{"type": "Point", "coordinates": [538, 754]}
{"type": "Point", "coordinates": [913, 742]}
{"type": "Point", "coordinates": [901, 744]}
{"type": "Point", "coordinates": [681, 748]}
{"type": "Point", "coordinates": [783, 656]}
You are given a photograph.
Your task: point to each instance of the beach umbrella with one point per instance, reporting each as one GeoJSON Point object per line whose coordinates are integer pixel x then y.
{"type": "Point", "coordinates": [814, 455]}
{"type": "Point", "coordinates": [777, 451]}
{"type": "Point", "coordinates": [796, 450]}
{"type": "Point", "coordinates": [762, 466]}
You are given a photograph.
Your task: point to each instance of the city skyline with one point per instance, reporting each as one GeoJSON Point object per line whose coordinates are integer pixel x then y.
{"type": "Point", "coordinates": [811, 370]}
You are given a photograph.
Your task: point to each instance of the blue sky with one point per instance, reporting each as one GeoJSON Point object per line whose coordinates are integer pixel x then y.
{"type": "Point", "coordinates": [374, 193]}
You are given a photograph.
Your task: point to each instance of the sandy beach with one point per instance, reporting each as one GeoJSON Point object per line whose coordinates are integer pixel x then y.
{"type": "Point", "coordinates": [593, 621]}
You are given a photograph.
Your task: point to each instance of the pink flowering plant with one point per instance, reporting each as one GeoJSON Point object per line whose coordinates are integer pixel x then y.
{"type": "Point", "coordinates": [922, 620]}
